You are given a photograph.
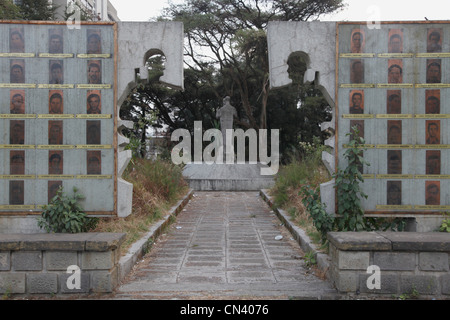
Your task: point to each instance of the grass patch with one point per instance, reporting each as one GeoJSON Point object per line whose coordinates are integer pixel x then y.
{"type": "Point", "coordinates": [157, 186]}
{"type": "Point", "coordinates": [310, 171]}
{"type": "Point", "coordinates": [289, 181]}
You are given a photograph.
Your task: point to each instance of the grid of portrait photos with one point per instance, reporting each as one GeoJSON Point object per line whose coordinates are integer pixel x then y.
{"type": "Point", "coordinates": [57, 115]}
{"type": "Point", "coordinates": [394, 89]}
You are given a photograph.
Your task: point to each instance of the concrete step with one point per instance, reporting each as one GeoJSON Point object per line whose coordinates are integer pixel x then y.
{"type": "Point", "coordinates": [227, 177]}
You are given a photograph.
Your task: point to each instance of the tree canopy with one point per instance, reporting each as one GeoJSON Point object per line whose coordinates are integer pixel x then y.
{"type": "Point", "coordinates": [8, 10]}
{"type": "Point", "coordinates": [226, 54]}
{"type": "Point", "coordinates": [37, 10]}
{"type": "Point", "coordinates": [27, 10]}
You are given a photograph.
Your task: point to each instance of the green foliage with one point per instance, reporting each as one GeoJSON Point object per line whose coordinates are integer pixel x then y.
{"type": "Point", "coordinates": [312, 150]}
{"type": "Point", "coordinates": [226, 50]}
{"type": "Point", "coordinates": [349, 193]}
{"type": "Point", "coordinates": [445, 226]}
{"type": "Point", "coordinates": [9, 11]}
{"type": "Point", "coordinates": [76, 13]}
{"type": "Point", "coordinates": [350, 212]}
{"type": "Point", "coordinates": [27, 10]}
{"type": "Point", "coordinates": [37, 10]}
{"type": "Point", "coordinates": [310, 259]}
{"type": "Point", "coordinates": [135, 145]}
{"type": "Point", "coordinates": [298, 172]}
{"type": "Point", "coordinates": [65, 215]}
{"type": "Point", "coordinates": [414, 294]}
{"type": "Point", "coordinates": [323, 222]}
{"type": "Point", "coordinates": [160, 178]}
{"type": "Point", "coordinates": [384, 224]}
{"type": "Point", "coordinates": [142, 118]}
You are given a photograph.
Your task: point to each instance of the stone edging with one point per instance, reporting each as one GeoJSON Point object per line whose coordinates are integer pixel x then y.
{"type": "Point", "coordinates": [323, 260]}
{"type": "Point", "coordinates": [141, 247]}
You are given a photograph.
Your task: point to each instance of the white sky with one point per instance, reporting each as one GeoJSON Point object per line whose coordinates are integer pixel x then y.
{"type": "Point", "coordinates": [357, 10]}
{"type": "Point", "coordinates": [140, 10]}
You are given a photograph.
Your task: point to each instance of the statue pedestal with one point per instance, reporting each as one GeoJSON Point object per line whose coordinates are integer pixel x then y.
{"type": "Point", "coordinates": [227, 177]}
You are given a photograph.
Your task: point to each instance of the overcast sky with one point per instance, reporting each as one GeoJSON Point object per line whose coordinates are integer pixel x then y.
{"type": "Point", "coordinates": [357, 10]}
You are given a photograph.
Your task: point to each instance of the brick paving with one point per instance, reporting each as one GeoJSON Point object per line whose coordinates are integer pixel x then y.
{"type": "Point", "coordinates": [223, 245]}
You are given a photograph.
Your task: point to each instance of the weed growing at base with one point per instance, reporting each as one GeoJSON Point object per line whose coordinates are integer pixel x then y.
{"type": "Point", "coordinates": [157, 185]}
{"type": "Point", "coordinates": [64, 214]}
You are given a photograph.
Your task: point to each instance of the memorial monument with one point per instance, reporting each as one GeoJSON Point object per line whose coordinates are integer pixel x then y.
{"type": "Point", "coordinates": [226, 115]}
{"type": "Point", "coordinates": [60, 112]}
{"type": "Point", "coordinates": [390, 80]}
{"type": "Point", "coordinates": [223, 175]}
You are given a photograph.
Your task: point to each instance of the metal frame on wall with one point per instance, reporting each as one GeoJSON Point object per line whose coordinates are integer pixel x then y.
{"type": "Point", "coordinates": [58, 118]}
{"type": "Point", "coordinates": [392, 83]}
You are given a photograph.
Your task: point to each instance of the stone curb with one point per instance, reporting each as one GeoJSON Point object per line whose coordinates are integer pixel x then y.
{"type": "Point", "coordinates": [141, 247]}
{"type": "Point", "coordinates": [323, 260]}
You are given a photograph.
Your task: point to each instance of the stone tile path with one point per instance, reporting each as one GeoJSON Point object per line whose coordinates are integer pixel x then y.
{"type": "Point", "coordinates": [224, 246]}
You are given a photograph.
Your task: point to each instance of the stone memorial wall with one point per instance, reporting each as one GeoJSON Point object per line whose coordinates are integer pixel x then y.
{"type": "Point", "coordinates": [61, 89]}
{"type": "Point", "coordinates": [394, 87]}
{"type": "Point", "coordinates": [390, 80]}
{"type": "Point", "coordinates": [58, 112]}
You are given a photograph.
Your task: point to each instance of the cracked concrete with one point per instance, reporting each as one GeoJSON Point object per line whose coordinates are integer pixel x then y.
{"type": "Point", "coordinates": [223, 246]}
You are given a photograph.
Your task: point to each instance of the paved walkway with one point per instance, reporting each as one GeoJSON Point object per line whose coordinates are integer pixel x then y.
{"type": "Point", "coordinates": [223, 246]}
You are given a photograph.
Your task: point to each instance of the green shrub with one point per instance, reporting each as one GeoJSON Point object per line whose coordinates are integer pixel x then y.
{"type": "Point", "coordinates": [160, 178]}
{"type": "Point", "coordinates": [65, 215]}
{"type": "Point", "coordinates": [298, 172]}
{"type": "Point", "coordinates": [445, 226]}
{"type": "Point", "coordinates": [349, 193]}
{"type": "Point", "coordinates": [323, 222]}
{"type": "Point", "coordinates": [136, 146]}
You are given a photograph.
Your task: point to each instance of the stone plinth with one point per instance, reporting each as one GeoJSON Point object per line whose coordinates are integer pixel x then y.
{"type": "Point", "coordinates": [41, 263]}
{"type": "Point", "coordinates": [227, 177]}
{"type": "Point", "coordinates": [408, 262]}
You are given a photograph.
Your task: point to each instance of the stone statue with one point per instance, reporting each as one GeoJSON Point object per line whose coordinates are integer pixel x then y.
{"type": "Point", "coordinates": [226, 115]}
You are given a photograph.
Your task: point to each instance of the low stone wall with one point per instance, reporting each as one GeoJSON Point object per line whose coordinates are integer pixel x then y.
{"type": "Point", "coordinates": [408, 262]}
{"type": "Point", "coordinates": [38, 263]}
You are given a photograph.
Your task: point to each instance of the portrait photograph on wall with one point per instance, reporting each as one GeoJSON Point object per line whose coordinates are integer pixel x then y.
{"type": "Point", "coordinates": [55, 41]}
{"type": "Point", "coordinates": [56, 72]}
{"type": "Point", "coordinates": [16, 40]}
{"type": "Point", "coordinates": [94, 41]}
{"type": "Point", "coordinates": [394, 135]}
{"type": "Point", "coordinates": [358, 41]}
{"type": "Point", "coordinates": [17, 132]}
{"type": "Point", "coordinates": [55, 102]}
{"type": "Point", "coordinates": [94, 162]}
{"type": "Point", "coordinates": [395, 41]}
{"type": "Point", "coordinates": [394, 102]}
{"type": "Point", "coordinates": [394, 158]}
{"type": "Point", "coordinates": [17, 162]}
{"type": "Point", "coordinates": [359, 125]}
{"type": "Point", "coordinates": [357, 71]}
{"type": "Point", "coordinates": [433, 193]}
{"type": "Point", "coordinates": [94, 68]}
{"type": "Point", "coordinates": [55, 132]}
{"type": "Point", "coordinates": [433, 133]}
{"type": "Point", "coordinates": [394, 193]}
{"type": "Point", "coordinates": [17, 71]}
{"type": "Point", "coordinates": [55, 162]}
{"type": "Point", "coordinates": [53, 188]}
{"type": "Point", "coordinates": [357, 102]}
{"type": "Point", "coordinates": [16, 192]}
{"type": "Point", "coordinates": [432, 101]}
{"type": "Point", "coordinates": [434, 71]}
{"type": "Point", "coordinates": [94, 102]}
{"type": "Point", "coordinates": [433, 162]}
{"type": "Point", "coordinates": [434, 40]}
{"type": "Point", "coordinates": [93, 132]}
{"type": "Point", "coordinates": [395, 71]}
{"type": "Point", "coordinates": [17, 98]}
